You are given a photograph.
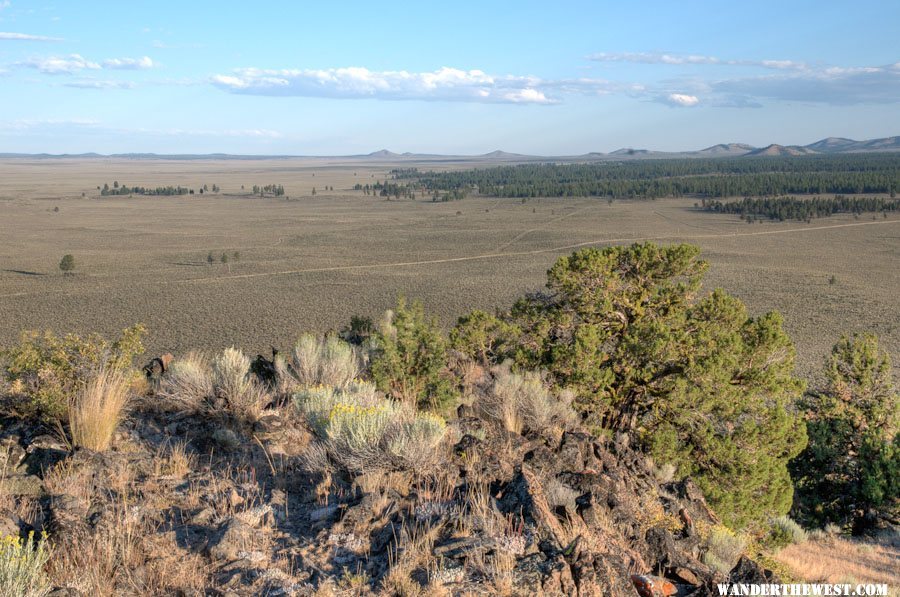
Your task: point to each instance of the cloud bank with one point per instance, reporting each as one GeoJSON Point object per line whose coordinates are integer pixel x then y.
{"type": "Point", "coordinates": [142, 63]}
{"type": "Point", "coordinates": [445, 84]}
{"type": "Point", "coordinates": [10, 36]}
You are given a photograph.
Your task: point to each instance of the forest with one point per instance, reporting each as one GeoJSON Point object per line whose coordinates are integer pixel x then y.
{"type": "Point", "coordinates": [650, 179]}
{"type": "Point", "coordinates": [792, 208]}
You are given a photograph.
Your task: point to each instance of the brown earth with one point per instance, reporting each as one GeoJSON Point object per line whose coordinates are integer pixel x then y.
{"type": "Point", "coordinates": [308, 263]}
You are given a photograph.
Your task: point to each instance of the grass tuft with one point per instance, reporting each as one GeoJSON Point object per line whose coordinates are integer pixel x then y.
{"type": "Point", "coordinates": [96, 409]}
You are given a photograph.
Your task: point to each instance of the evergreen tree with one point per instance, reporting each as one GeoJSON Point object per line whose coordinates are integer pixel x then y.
{"type": "Point", "coordinates": [410, 357]}
{"type": "Point", "coordinates": [67, 264]}
{"type": "Point", "coordinates": [850, 471]}
{"type": "Point", "coordinates": [695, 381]}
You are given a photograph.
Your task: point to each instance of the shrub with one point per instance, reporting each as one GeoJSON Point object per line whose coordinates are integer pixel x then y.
{"type": "Point", "coordinates": [22, 567]}
{"type": "Point", "coordinates": [850, 471]}
{"type": "Point", "coordinates": [188, 384]}
{"type": "Point", "coordinates": [359, 330]}
{"type": "Point", "coordinates": [44, 369]}
{"type": "Point", "coordinates": [67, 264]}
{"type": "Point", "coordinates": [723, 548]}
{"type": "Point", "coordinates": [318, 361]}
{"type": "Point", "coordinates": [193, 386]}
{"type": "Point", "coordinates": [784, 531]}
{"type": "Point", "coordinates": [693, 379]}
{"type": "Point", "coordinates": [243, 396]}
{"type": "Point", "coordinates": [410, 358]}
{"type": "Point", "coordinates": [483, 336]}
{"type": "Point", "coordinates": [95, 411]}
{"type": "Point", "coordinates": [361, 430]}
{"type": "Point", "coordinates": [521, 403]}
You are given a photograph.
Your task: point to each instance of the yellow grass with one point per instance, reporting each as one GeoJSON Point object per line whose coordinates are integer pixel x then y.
{"type": "Point", "coordinates": [95, 411]}
{"type": "Point", "coordinates": [838, 560]}
{"type": "Point", "coordinates": [308, 263]}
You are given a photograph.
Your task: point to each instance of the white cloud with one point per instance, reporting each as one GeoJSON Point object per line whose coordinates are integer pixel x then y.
{"type": "Point", "coordinates": [681, 59]}
{"type": "Point", "coordinates": [99, 84]}
{"type": "Point", "coordinates": [61, 65]}
{"type": "Point", "coordinates": [836, 86]}
{"type": "Point", "coordinates": [5, 4]}
{"type": "Point", "coordinates": [143, 63]}
{"type": "Point", "coordinates": [445, 84]}
{"type": "Point", "coordinates": [682, 99]}
{"type": "Point", "coordinates": [652, 58]}
{"type": "Point", "coordinates": [10, 36]}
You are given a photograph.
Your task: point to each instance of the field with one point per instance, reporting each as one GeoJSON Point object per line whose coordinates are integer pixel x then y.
{"type": "Point", "coordinates": [305, 262]}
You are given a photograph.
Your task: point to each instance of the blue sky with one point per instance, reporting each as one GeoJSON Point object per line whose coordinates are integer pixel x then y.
{"type": "Point", "coordinates": [319, 78]}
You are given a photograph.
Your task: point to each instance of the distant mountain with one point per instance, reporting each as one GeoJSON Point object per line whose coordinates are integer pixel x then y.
{"type": "Point", "coordinates": [727, 149]}
{"type": "Point", "coordinates": [780, 150]}
{"type": "Point", "coordinates": [383, 153]}
{"type": "Point", "coordinates": [829, 145]}
{"type": "Point", "coordinates": [504, 155]}
{"type": "Point", "coordinates": [628, 151]}
{"type": "Point", "coordinates": [832, 145]}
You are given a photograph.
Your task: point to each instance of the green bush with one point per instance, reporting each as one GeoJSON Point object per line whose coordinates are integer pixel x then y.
{"type": "Point", "coordinates": [410, 358]}
{"type": "Point", "coordinates": [360, 430]}
{"type": "Point", "coordinates": [724, 548]}
{"type": "Point", "coordinates": [692, 378]}
{"type": "Point", "coordinates": [851, 469]}
{"type": "Point", "coordinates": [22, 567]}
{"type": "Point", "coordinates": [784, 531]}
{"type": "Point", "coordinates": [44, 370]}
{"type": "Point", "coordinates": [521, 403]}
{"type": "Point", "coordinates": [317, 361]}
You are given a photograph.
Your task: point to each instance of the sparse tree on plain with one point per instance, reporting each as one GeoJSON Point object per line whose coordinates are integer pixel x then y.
{"type": "Point", "coordinates": [210, 258]}
{"type": "Point", "coordinates": [67, 264]}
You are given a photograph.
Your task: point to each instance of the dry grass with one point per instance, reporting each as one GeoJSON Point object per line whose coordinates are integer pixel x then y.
{"type": "Point", "coordinates": [327, 361]}
{"type": "Point", "coordinates": [838, 560]}
{"type": "Point", "coordinates": [521, 402]}
{"type": "Point", "coordinates": [95, 411]}
{"type": "Point", "coordinates": [244, 397]}
{"type": "Point", "coordinates": [143, 259]}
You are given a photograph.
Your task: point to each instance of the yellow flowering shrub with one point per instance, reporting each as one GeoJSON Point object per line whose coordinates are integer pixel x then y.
{"type": "Point", "coordinates": [22, 566]}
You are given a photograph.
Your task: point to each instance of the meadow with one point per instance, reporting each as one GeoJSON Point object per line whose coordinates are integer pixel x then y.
{"type": "Point", "coordinates": [304, 262]}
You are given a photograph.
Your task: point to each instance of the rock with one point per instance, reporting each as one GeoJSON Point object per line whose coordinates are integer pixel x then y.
{"type": "Point", "coordinates": [204, 517]}
{"type": "Point", "coordinates": [660, 551]}
{"type": "Point", "coordinates": [326, 513]}
{"type": "Point", "coordinates": [22, 485]}
{"type": "Point", "coordinates": [652, 586]}
{"type": "Point", "coordinates": [685, 575]}
{"type": "Point", "coordinates": [457, 548]}
{"type": "Point", "coordinates": [234, 498]}
{"type": "Point", "coordinates": [11, 455]}
{"type": "Point", "coordinates": [749, 572]}
{"type": "Point", "coordinates": [269, 424]}
{"type": "Point", "coordinates": [44, 452]}
{"type": "Point", "coordinates": [558, 578]}
{"type": "Point", "coordinates": [10, 524]}
{"type": "Point", "coordinates": [233, 537]}
{"type": "Point", "coordinates": [68, 514]}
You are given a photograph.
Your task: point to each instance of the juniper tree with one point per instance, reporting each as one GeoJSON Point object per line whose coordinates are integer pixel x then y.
{"type": "Point", "coordinates": [410, 357]}
{"type": "Point", "coordinates": [67, 264]}
{"type": "Point", "coordinates": [851, 469]}
{"type": "Point", "coordinates": [693, 379]}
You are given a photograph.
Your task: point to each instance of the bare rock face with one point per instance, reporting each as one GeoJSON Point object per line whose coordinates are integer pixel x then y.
{"type": "Point", "coordinates": [556, 512]}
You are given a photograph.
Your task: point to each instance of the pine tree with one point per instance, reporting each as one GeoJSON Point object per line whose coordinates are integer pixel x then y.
{"type": "Point", "coordinates": [67, 264]}
{"type": "Point", "coordinates": [851, 469]}
{"type": "Point", "coordinates": [410, 357]}
{"type": "Point", "coordinates": [695, 381]}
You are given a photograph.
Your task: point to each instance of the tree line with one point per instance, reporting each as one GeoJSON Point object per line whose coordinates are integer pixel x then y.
{"type": "Point", "coordinates": [649, 179]}
{"type": "Point", "coordinates": [792, 208]}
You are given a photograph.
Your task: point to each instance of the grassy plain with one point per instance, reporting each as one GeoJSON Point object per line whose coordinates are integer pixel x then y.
{"type": "Point", "coordinates": [308, 263]}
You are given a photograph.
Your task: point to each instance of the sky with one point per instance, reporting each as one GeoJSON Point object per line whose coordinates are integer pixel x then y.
{"type": "Point", "coordinates": [341, 78]}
